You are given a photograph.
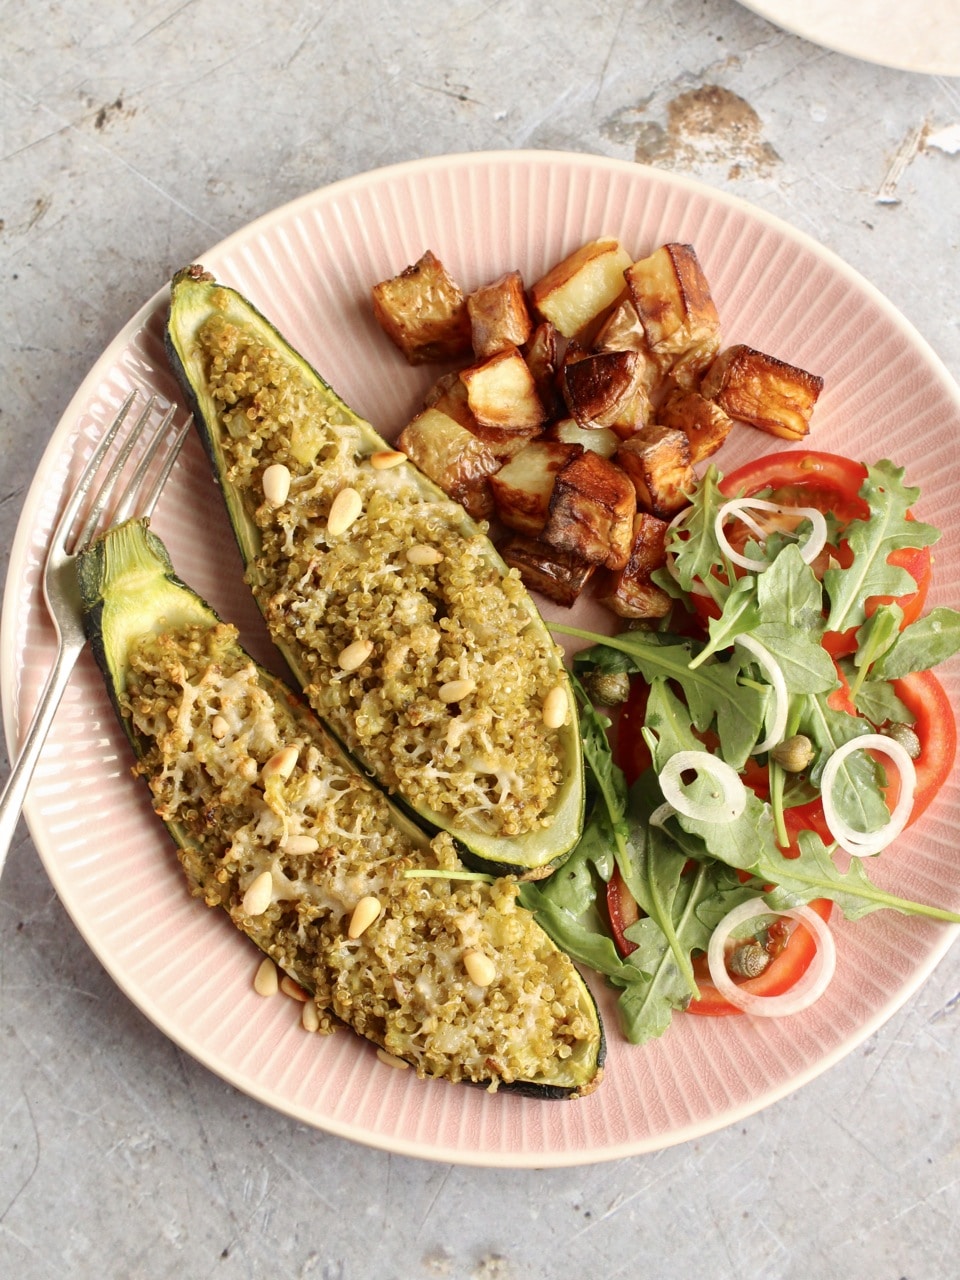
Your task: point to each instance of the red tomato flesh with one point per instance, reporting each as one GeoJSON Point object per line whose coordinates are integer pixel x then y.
{"type": "Point", "coordinates": [781, 973]}
{"type": "Point", "coordinates": [832, 484]}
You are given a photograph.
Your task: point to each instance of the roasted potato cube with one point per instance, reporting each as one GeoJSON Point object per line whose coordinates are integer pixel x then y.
{"type": "Point", "coordinates": [629, 591]}
{"type": "Point", "coordinates": [499, 316]}
{"type": "Point", "coordinates": [522, 488]}
{"type": "Point", "coordinates": [591, 511]}
{"type": "Point", "coordinates": [601, 440]}
{"type": "Point", "coordinates": [765, 392]}
{"type": "Point", "coordinates": [657, 460]}
{"type": "Point", "coordinates": [423, 311]}
{"type": "Point", "coordinates": [622, 331]}
{"type": "Point", "coordinates": [555, 574]}
{"type": "Point", "coordinates": [503, 442]}
{"type": "Point", "coordinates": [452, 458]}
{"type": "Point", "coordinates": [501, 392]}
{"type": "Point", "coordinates": [672, 299]}
{"type": "Point", "coordinates": [582, 286]}
{"type": "Point", "coordinates": [449, 395]}
{"type": "Point", "coordinates": [543, 360]}
{"type": "Point", "coordinates": [703, 422]}
{"type": "Point", "coordinates": [603, 389]}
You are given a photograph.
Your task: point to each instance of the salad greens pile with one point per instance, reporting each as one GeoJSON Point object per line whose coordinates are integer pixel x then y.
{"type": "Point", "coordinates": [687, 873]}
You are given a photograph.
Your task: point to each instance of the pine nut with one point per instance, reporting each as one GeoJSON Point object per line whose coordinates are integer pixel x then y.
{"type": "Point", "coordinates": [387, 458]}
{"type": "Point", "coordinates": [282, 763]}
{"type": "Point", "coordinates": [555, 708]}
{"type": "Point", "coordinates": [276, 484]}
{"type": "Point", "coordinates": [389, 1060]}
{"type": "Point", "coordinates": [300, 844]}
{"type": "Point", "coordinates": [355, 655]}
{"type": "Point", "coordinates": [456, 690]}
{"type": "Point", "coordinates": [480, 968]}
{"type": "Point", "coordinates": [247, 769]}
{"type": "Point", "coordinates": [219, 727]}
{"type": "Point", "coordinates": [310, 1016]}
{"type": "Point", "coordinates": [265, 981]}
{"type": "Point", "coordinates": [259, 894]}
{"type": "Point", "coordinates": [344, 509]}
{"type": "Point", "coordinates": [364, 914]}
{"type": "Point", "coordinates": [423, 554]}
{"type": "Point", "coordinates": [292, 989]}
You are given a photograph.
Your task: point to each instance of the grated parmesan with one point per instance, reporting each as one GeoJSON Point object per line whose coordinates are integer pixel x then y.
{"type": "Point", "coordinates": [322, 839]}
{"type": "Point", "coordinates": [450, 620]}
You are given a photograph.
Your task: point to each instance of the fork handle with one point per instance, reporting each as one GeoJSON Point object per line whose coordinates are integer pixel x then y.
{"type": "Point", "coordinates": [15, 788]}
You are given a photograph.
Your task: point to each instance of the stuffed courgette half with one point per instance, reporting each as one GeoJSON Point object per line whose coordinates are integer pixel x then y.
{"type": "Point", "coordinates": [410, 637]}
{"type": "Point", "coordinates": [440, 967]}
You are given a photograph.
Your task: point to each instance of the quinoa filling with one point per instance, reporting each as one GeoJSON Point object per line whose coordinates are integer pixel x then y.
{"type": "Point", "coordinates": [446, 701]}
{"type": "Point", "coordinates": [258, 788]}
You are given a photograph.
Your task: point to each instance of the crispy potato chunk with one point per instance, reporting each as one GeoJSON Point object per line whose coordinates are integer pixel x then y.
{"type": "Point", "coordinates": [523, 487]}
{"type": "Point", "coordinates": [603, 389]}
{"type": "Point", "coordinates": [623, 331]}
{"type": "Point", "coordinates": [501, 392]}
{"type": "Point", "coordinates": [499, 316]}
{"type": "Point", "coordinates": [449, 395]}
{"type": "Point", "coordinates": [559, 576]}
{"type": "Point", "coordinates": [582, 286]}
{"type": "Point", "coordinates": [768, 393]}
{"type": "Point", "coordinates": [601, 440]}
{"type": "Point", "coordinates": [591, 511]}
{"type": "Point", "coordinates": [422, 310]}
{"type": "Point", "coordinates": [454, 459]}
{"type": "Point", "coordinates": [673, 302]}
{"type": "Point", "coordinates": [703, 422]}
{"type": "Point", "coordinates": [657, 460]}
{"type": "Point", "coordinates": [542, 354]}
{"type": "Point", "coordinates": [629, 592]}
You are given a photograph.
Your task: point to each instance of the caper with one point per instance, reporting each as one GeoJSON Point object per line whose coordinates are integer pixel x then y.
{"type": "Point", "coordinates": [608, 688]}
{"type": "Point", "coordinates": [793, 754]}
{"type": "Point", "coordinates": [906, 736]}
{"type": "Point", "coordinates": [749, 960]}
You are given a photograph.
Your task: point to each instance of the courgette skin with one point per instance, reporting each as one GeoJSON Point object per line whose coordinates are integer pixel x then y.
{"type": "Point", "coordinates": [130, 590]}
{"type": "Point", "coordinates": [195, 298]}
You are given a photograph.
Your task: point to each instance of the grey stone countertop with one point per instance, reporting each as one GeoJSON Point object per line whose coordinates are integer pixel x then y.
{"type": "Point", "coordinates": [134, 137]}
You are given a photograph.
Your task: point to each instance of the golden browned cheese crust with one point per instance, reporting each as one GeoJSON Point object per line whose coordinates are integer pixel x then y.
{"type": "Point", "coordinates": [257, 789]}
{"type": "Point", "coordinates": [459, 626]}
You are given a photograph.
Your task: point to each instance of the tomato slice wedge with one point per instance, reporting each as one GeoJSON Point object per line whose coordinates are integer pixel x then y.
{"type": "Point", "coordinates": [831, 483]}
{"type": "Point", "coordinates": [783, 971]}
{"type": "Point", "coordinates": [935, 726]}
{"type": "Point", "coordinates": [780, 974]}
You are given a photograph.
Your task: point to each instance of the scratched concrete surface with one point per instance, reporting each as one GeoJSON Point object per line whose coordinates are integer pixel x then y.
{"type": "Point", "coordinates": [134, 136]}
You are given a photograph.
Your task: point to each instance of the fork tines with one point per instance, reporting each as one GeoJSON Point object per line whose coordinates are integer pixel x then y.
{"type": "Point", "coordinates": [135, 498]}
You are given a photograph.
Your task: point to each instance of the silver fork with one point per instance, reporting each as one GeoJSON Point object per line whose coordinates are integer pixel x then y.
{"type": "Point", "coordinates": [60, 587]}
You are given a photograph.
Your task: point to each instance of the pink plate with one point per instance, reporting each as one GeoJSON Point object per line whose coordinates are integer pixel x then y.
{"type": "Point", "coordinates": [309, 266]}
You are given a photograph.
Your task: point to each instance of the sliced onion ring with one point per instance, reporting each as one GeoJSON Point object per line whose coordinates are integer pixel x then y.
{"type": "Point", "coordinates": [808, 988]}
{"type": "Point", "coordinates": [737, 508]}
{"type": "Point", "coordinates": [781, 707]}
{"type": "Point", "coordinates": [864, 844]}
{"type": "Point", "coordinates": [733, 794]}
{"type": "Point", "coordinates": [660, 815]}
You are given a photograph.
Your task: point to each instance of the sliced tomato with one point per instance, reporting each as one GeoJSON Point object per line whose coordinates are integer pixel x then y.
{"type": "Point", "coordinates": [622, 910]}
{"type": "Point", "coordinates": [804, 478]}
{"type": "Point", "coordinates": [830, 483]}
{"type": "Point", "coordinates": [783, 971]}
{"type": "Point", "coordinates": [780, 974]}
{"type": "Point", "coordinates": [934, 724]}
